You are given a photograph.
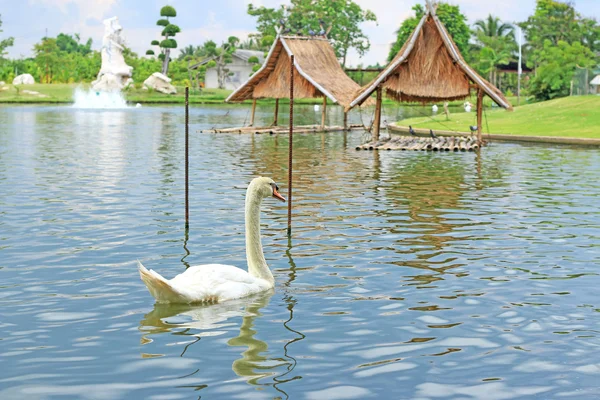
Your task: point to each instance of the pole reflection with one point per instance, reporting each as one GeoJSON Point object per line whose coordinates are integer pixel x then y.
{"type": "Point", "coordinates": [186, 238]}
{"type": "Point", "coordinates": [290, 303]}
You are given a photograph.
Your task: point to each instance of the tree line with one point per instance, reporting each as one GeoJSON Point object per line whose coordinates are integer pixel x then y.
{"type": "Point", "coordinates": [559, 42]}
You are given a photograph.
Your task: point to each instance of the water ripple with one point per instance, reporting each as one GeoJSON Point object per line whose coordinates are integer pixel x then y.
{"type": "Point", "coordinates": [445, 275]}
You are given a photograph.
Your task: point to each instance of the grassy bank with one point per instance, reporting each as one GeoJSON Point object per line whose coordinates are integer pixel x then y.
{"type": "Point", "coordinates": [64, 93]}
{"type": "Point", "coordinates": [569, 117]}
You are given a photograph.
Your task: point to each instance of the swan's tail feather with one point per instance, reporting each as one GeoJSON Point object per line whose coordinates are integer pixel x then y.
{"type": "Point", "coordinates": [159, 287]}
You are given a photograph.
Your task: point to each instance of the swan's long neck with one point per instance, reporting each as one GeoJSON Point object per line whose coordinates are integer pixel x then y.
{"type": "Point", "coordinates": [257, 265]}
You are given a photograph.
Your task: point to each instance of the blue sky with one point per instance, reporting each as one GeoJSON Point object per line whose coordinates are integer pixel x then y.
{"type": "Point", "coordinates": [27, 20]}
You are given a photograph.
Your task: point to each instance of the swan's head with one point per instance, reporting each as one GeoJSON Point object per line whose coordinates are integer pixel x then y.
{"type": "Point", "coordinates": [266, 187]}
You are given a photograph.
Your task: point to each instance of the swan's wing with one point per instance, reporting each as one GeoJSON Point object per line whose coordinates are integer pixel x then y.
{"type": "Point", "coordinates": [217, 282]}
{"type": "Point", "coordinates": [214, 274]}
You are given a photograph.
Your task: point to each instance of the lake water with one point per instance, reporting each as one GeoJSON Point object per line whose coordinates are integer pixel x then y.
{"type": "Point", "coordinates": [409, 275]}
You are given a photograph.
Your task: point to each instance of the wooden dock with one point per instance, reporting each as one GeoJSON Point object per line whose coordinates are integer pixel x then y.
{"type": "Point", "coordinates": [422, 143]}
{"type": "Point", "coordinates": [272, 130]}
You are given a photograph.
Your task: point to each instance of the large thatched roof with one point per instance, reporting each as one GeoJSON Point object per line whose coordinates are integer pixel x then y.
{"type": "Point", "coordinates": [318, 73]}
{"type": "Point", "coordinates": [429, 68]}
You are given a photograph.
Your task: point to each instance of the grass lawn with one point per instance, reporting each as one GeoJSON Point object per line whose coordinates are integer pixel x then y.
{"type": "Point", "coordinates": [63, 93]}
{"type": "Point", "coordinates": [577, 116]}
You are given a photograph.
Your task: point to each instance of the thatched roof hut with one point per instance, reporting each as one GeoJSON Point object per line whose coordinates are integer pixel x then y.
{"type": "Point", "coordinates": [429, 68]}
{"type": "Point", "coordinates": [318, 73]}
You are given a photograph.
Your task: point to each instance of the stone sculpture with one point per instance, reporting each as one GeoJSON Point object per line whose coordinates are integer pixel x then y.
{"type": "Point", "coordinates": [160, 83]}
{"type": "Point", "coordinates": [114, 74]}
{"type": "Point", "coordinates": [24, 79]}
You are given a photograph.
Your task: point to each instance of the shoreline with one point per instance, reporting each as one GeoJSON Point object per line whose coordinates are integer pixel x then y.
{"type": "Point", "coordinates": [563, 140]}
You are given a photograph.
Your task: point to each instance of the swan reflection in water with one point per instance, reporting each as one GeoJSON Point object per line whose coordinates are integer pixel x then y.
{"type": "Point", "coordinates": [213, 320]}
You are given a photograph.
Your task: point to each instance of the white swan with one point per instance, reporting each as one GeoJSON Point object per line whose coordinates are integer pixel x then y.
{"type": "Point", "coordinates": [215, 283]}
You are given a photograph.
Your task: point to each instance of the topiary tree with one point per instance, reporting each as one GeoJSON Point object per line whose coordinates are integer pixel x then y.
{"type": "Point", "coordinates": [255, 62]}
{"type": "Point", "coordinates": [168, 32]}
{"type": "Point", "coordinates": [220, 57]}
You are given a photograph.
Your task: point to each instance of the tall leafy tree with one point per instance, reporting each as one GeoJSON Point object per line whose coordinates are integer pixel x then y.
{"type": "Point", "coordinates": [552, 21]}
{"type": "Point", "coordinates": [72, 44]}
{"type": "Point", "coordinates": [557, 65]}
{"type": "Point", "coordinates": [5, 42]}
{"type": "Point", "coordinates": [454, 21]}
{"type": "Point", "coordinates": [169, 31]}
{"type": "Point", "coordinates": [340, 19]}
{"type": "Point", "coordinates": [48, 56]}
{"type": "Point", "coordinates": [591, 34]}
{"type": "Point", "coordinates": [267, 19]}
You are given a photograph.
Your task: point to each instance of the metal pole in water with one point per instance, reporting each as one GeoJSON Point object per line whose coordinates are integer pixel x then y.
{"type": "Point", "coordinates": [187, 161]}
{"type": "Point", "coordinates": [519, 70]}
{"type": "Point", "coordinates": [289, 229]}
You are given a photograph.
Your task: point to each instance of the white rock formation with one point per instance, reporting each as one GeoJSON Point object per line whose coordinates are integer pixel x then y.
{"type": "Point", "coordinates": [160, 83]}
{"type": "Point", "coordinates": [24, 79]}
{"type": "Point", "coordinates": [114, 74]}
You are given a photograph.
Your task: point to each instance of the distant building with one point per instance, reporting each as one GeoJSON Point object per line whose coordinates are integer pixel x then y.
{"type": "Point", "coordinates": [240, 69]}
{"type": "Point", "coordinates": [595, 83]}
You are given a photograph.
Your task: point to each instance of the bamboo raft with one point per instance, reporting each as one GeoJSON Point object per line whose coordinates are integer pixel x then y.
{"type": "Point", "coordinates": [423, 144]}
{"type": "Point", "coordinates": [283, 129]}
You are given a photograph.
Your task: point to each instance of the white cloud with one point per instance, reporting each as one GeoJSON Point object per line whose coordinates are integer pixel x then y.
{"type": "Point", "coordinates": [220, 19]}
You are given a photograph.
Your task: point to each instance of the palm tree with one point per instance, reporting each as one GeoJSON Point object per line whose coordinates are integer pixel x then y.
{"type": "Point", "coordinates": [496, 43]}
{"type": "Point", "coordinates": [186, 51]}
{"type": "Point", "coordinates": [493, 27]}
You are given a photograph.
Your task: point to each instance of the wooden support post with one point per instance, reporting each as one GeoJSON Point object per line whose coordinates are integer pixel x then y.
{"type": "Point", "coordinates": [275, 120]}
{"type": "Point", "coordinates": [290, 148]}
{"type": "Point", "coordinates": [253, 111]}
{"type": "Point", "coordinates": [345, 120]}
{"type": "Point", "coordinates": [324, 113]}
{"type": "Point", "coordinates": [479, 115]}
{"type": "Point", "coordinates": [377, 122]}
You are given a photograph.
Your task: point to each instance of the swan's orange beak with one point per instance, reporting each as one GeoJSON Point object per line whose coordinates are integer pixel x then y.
{"type": "Point", "coordinates": [277, 195]}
